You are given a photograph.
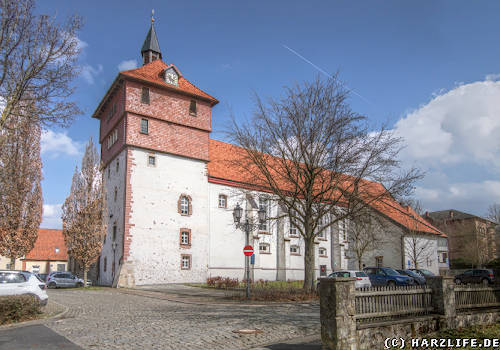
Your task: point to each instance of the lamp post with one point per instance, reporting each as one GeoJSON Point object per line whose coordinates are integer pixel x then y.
{"type": "Point", "coordinates": [247, 227]}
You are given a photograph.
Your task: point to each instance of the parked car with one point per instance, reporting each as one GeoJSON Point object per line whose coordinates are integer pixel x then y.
{"type": "Point", "coordinates": [423, 272]}
{"type": "Point", "coordinates": [42, 276]}
{"type": "Point", "coordinates": [22, 283]}
{"type": "Point", "coordinates": [484, 276]}
{"type": "Point", "coordinates": [63, 280]}
{"type": "Point", "coordinates": [419, 279]}
{"type": "Point", "coordinates": [386, 276]}
{"type": "Point", "coordinates": [362, 280]}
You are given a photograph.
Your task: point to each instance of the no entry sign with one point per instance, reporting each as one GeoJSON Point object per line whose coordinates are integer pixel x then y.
{"type": "Point", "coordinates": [248, 250]}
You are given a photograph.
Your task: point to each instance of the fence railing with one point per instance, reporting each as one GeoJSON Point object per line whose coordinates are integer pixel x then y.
{"type": "Point", "coordinates": [379, 303]}
{"type": "Point", "coordinates": [476, 296]}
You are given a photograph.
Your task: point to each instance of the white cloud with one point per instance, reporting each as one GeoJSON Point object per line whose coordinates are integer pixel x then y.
{"type": "Point", "coordinates": [89, 73]}
{"type": "Point", "coordinates": [455, 139]}
{"type": "Point", "coordinates": [52, 216]}
{"type": "Point", "coordinates": [127, 64]}
{"type": "Point", "coordinates": [57, 143]}
{"type": "Point", "coordinates": [459, 126]}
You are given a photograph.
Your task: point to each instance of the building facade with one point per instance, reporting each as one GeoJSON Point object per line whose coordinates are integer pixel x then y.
{"type": "Point", "coordinates": [171, 194]}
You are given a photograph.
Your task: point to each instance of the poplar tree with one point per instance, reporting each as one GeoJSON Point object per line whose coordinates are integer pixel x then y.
{"type": "Point", "coordinates": [20, 188]}
{"type": "Point", "coordinates": [84, 212]}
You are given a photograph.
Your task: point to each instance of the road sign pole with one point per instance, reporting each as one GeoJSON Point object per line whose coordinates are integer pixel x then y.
{"type": "Point", "coordinates": [247, 263]}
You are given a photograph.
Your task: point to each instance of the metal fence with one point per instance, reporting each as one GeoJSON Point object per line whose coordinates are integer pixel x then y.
{"type": "Point", "coordinates": [387, 303]}
{"type": "Point", "coordinates": [476, 296]}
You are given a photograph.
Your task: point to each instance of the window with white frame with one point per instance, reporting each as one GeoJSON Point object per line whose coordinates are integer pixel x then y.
{"type": "Point", "coordinates": [294, 250]}
{"type": "Point", "coordinates": [443, 257]}
{"type": "Point", "coordinates": [293, 228]}
{"type": "Point", "coordinates": [185, 262]}
{"type": "Point", "coordinates": [264, 204]}
{"type": "Point", "coordinates": [322, 251]}
{"type": "Point", "coordinates": [222, 201]}
{"type": "Point", "coordinates": [184, 205]}
{"type": "Point", "coordinates": [112, 138]}
{"type": "Point", "coordinates": [151, 161]}
{"type": "Point", "coordinates": [185, 237]}
{"type": "Point", "coordinates": [343, 229]}
{"type": "Point", "coordinates": [265, 248]}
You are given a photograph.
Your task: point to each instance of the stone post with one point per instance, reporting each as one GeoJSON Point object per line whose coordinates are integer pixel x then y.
{"type": "Point", "coordinates": [443, 299]}
{"type": "Point", "coordinates": [337, 312]}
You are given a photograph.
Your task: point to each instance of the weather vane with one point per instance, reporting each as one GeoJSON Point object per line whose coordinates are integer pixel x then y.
{"type": "Point", "coordinates": [152, 15]}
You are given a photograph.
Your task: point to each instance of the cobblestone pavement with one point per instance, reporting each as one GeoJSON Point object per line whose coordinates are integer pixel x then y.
{"type": "Point", "coordinates": [109, 319]}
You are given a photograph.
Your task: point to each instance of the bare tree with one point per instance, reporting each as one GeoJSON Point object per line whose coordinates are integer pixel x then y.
{"type": "Point", "coordinates": [84, 212]}
{"type": "Point", "coordinates": [20, 188]}
{"type": "Point", "coordinates": [365, 235]}
{"type": "Point", "coordinates": [494, 213]}
{"type": "Point", "coordinates": [319, 159]}
{"type": "Point", "coordinates": [37, 64]}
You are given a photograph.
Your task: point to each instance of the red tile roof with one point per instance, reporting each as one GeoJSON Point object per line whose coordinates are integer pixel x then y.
{"type": "Point", "coordinates": [153, 73]}
{"type": "Point", "coordinates": [45, 246]}
{"type": "Point", "coordinates": [225, 168]}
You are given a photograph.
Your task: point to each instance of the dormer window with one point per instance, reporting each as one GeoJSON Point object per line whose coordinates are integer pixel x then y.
{"type": "Point", "coordinates": [171, 76]}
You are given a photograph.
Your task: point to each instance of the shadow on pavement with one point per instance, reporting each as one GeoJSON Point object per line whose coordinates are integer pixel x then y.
{"type": "Point", "coordinates": [34, 337]}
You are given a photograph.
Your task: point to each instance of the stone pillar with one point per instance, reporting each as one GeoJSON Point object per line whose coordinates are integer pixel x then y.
{"type": "Point", "coordinates": [280, 247]}
{"type": "Point", "coordinates": [337, 313]}
{"type": "Point", "coordinates": [443, 299]}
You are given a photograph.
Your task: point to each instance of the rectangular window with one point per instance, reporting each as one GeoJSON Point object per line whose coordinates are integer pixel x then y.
{"type": "Point", "coordinates": [144, 126]}
{"type": "Point", "coordinates": [151, 160]}
{"type": "Point", "coordinates": [185, 262]}
{"type": "Point", "coordinates": [36, 268]}
{"type": "Point", "coordinates": [264, 248]}
{"type": "Point", "coordinates": [322, 252]}
{"type": "Point", "coordinates": [192, 107]}
{"type": "Point", "coordinates": [114, 232]}
{"type": "Point", "coordinates": [185, 237]}
{"type": "Point", "coordinates": [112, 138]}
{"type": "Point", "coordinates": [222, 201]}
{"type": "Point", "coordinates": [60, 267]}
{"type": "Point", "coordinates": [293, 231]}
{"type": "Point", "coordinates": [295, 250]}
{"type": "Point", "coordinates": [379, 261]}
{"type": "Point", "coordinates": [105, 263]}
{"type": "Point", "coordinates": [145, 95]}
{"type": "Point", "coordinates": [264, 204]}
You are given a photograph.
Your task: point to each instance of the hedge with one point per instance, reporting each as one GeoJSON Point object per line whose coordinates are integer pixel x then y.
{"type": "Point", "coordinates": [19, 308]}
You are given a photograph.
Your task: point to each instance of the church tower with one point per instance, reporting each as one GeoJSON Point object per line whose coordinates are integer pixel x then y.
{"type": "Point", "coordinates": [154, 135]}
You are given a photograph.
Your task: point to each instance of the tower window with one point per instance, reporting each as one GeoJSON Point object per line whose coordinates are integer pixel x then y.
{"type": "Point", "coordinates": [185, 237]}
{"type": "Point", "coordinates": [184, 206]}
{"type": "Point", "coordinates": [116, 194]}
{"type": "Point", "coordinates": [145, 95]}
{"type": "Point", "coordinates": [192, 107]}
{"type": "Point", "coordinates": [222, 201]}
{"type": "Point", "coordinates": [117, 165]}
{"type": "Point", "coordinates": [144, 126]}
{"type": "Point", "coordinates": [151, 161]}
{"type": "Point", "coordinates": [185, 262]}
{"type": "Point", "coordinates": [114, 232]}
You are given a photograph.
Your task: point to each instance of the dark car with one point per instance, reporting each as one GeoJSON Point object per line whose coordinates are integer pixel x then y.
{"type": "Point", "coordinates": [419, 279]}
{"type": "Point", "coordinates": [423, 272]}
{"type": "Point", "coordinates": [386, 276]}
{"type": "Point", "coordinates": [484, 276]}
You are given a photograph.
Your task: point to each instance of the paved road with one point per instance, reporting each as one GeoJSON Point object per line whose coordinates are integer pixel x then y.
{"type": "Point", "coordinates": [110, 319]}
{"type": "Point", "coordinates": [37, 337]}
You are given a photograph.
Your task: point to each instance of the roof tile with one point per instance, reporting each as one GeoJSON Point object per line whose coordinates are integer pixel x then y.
{"type": "Point", "coordinates": [45, 246]}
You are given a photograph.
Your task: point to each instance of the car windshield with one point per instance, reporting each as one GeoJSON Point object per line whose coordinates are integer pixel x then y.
{"type": "Point", "coordinates": [390, 272]}
{"type": "Point", "coordinates": [360, 274]}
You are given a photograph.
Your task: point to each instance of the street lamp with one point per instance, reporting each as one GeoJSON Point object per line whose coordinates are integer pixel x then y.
{"type": "Point", "coordinates": [247, 227]}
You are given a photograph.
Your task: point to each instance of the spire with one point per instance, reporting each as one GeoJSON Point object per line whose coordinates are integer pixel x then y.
{"type": "Point", "coordinates": [151, 49]}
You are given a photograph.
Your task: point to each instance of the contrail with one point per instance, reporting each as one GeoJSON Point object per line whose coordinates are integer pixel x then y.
{"type": "Point", "coordinates": [321, 70]}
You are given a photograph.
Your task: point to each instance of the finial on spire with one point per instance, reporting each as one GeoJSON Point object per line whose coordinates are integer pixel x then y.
{"type": "Point", "coordinates": [152, 16]}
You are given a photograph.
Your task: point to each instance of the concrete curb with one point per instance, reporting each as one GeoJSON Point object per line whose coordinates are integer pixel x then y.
{"type": "Point", "coordinates": [293, 342]}
{"type": "Point", "coordinates": [165, 296]}
{"type": "Point", "coordinates": [38, 321]}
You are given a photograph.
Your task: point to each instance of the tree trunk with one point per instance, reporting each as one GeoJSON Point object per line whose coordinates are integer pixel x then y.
{"type": "Point", "coordinates": [85, 269]}
{"type": "Point", "coordinates": [13, 263]}
{"type": "Point", "coordinates": [359, 263]}
{"type": "Point", "coordinates": [309, 265]}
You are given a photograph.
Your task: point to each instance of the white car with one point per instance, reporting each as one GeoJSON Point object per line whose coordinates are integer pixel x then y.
{"type": "Point", "coordinates": [22, 283]}
{"type": "Point", "coordinates": [362, 279]}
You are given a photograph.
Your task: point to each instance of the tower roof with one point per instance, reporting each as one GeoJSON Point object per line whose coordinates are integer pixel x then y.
{"type": "Point", "coordinates": [151, 41]}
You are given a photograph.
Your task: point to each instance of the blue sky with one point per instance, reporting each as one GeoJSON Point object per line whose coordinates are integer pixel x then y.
{"type": "Point", "coordinates": [431, 69]}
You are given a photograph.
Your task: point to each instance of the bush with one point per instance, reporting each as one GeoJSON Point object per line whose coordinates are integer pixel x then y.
{"type": "Point", "coordinates": [18, 308]}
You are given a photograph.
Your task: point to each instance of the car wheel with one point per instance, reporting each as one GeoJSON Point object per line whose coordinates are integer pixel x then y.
{"type": "Point", "coordinates": [391, 284]}
{"type": "Point", "coordinates": [52, 285]}
{"type": "Point", "coordinates": [485, 282]}
{"type": "Point", "coordinates": [458, 281]}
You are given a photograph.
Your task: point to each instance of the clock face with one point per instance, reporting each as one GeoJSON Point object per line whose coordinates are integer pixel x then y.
{"type": "Point", "coordinates": [171, 77]}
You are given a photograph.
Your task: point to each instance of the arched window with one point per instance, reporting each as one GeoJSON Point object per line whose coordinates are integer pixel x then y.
{"type": "Point", "coordinates": [184, 206]}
